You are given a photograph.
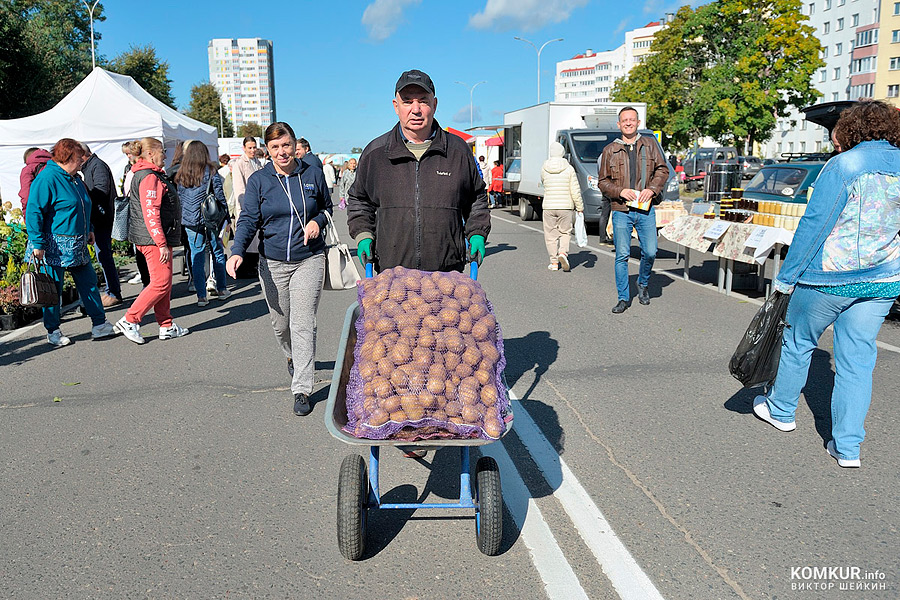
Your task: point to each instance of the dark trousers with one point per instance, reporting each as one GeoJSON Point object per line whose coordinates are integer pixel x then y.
{"type": "Point", "coordinates": [141, 263]}
{"type": "Point", "coordinates": [103, 239]}
{"type": "Point", "coordinates": [604, 218]}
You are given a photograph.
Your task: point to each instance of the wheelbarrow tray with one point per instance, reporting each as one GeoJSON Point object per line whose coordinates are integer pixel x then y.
{"type": "Point", "coordinates": [336, 407]}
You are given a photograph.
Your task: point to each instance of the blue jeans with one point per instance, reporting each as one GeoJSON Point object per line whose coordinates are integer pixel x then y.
{"type": "Point", "coordinates": [645, 225]}
{"type": "Point", "coordinates": [198, 247]}
{"type": "Point", "coordinates": [856, 323]}
{"type": "Point", "coordinates": [86, 283]}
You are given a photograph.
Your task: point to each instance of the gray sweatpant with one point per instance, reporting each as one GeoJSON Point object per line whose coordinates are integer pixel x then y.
{"type": "Point", "coordinates": [292, 291]}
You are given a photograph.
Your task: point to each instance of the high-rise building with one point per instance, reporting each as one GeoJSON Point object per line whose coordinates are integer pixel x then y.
{"type": "Point", "coordinates": [887, 74]}
{"type": "Point", "coordinates": [242, 70]}
{"type": "Point", "coordinates": [589, 77]}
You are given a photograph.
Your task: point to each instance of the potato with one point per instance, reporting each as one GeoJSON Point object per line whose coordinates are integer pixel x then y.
{"type": "Point", "coordinates": [421, 356]}
{"type": "Point", "coordinates": [489, 395]}
{"type": "Point", "coordinates": [417, 380]}
{"type": "Point", "coordinates": [483, 376]}
{"type": "Point", "coordinates": [454, 342]}
{"type": "Point", "coordinates": [430, 293]}
{"type": "Point", "coordinates": [465, 322]}
{"type": "Point", "coordinates": [384, 325]}
{"type": "Point", "coordinates": [399, 380]}
{"type": "Point", "coordinates": [435, 386]}
{"type": "Point", "coordinates": [462, 291]}
{"type": "Point", "coordinates": [446, 285]}
{"type": "Point", "coordinates": [410, 334]}
{"type": "Point", "coordinates": [493, 428]}
{"type": "Point", "coordinates": [407, 318]}
{"type": "Point", "coordinates": [471, 415]}
{"type": "Point", "coordinates": [369, 405]}
{"type": "Point", "coordinates": [452, 304]}
{"type": "Point", "coordinates": [412, 282]}
{"type": "Point", "coordinates": [400, 354]}
{"type": "Point", "coordinates": [367, 369]}
{"type": "Point", "coordinates": [390, 339]}
{"type": "Point", "coordinates": [427, 400]}
{"type": "Point", "coordinates": [453, 408]}
{"type": "Point", "coordinates": [369, 390]}
{"type": "Point", "coordinates": [463, 370]}
{"type": "Point", "coordinates": [409, 402]}
{"type": "Point", "coordinates": [369, 326]}
{"type": "Point", "coordinates": [451, 360]}
{"type": "Point", "coordinates": [415, 413]}
{"type": "Point", "coordinates": [480, 331]}
{"type": "Point", "coordinates": [391, 403]}
{"type": "Point", "coordinates": [378, 417]}
{"type": "Point", "coordinates": [477, 310]}
{"type": "Point", "coordinates": [398, 416]}
{"type": "Point", "coordinates": [398, 292]}
{"type": "Point", "coordinates": [382, 387]}
{"type": "Point", "coordinates": [380, 295]}
{"type": "Point", "coordinates": [439, 415]}
{"type": "Point", "coordinates": [489, 352]}
{"type": "Point", "coordinates": [437, 371]}
{"type": "Point", "coordinates": [449, 317]}
{"type": "Point", "coordinates": [471, 356]}
{"type": "Point", "coordinates": [432, 322]}
{"type": "Point", "coordinates": [385, 367]}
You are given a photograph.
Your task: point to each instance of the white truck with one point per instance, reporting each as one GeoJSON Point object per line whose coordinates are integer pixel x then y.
{"type": "Point", "coordinates": [583, 130]}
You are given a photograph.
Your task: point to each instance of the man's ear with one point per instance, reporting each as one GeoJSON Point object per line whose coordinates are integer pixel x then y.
{"type": "Point", "coordinates": [435, 104]}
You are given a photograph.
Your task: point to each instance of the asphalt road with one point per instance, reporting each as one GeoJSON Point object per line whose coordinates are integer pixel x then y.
{"type": "Point", "coordinates": [177, 470]}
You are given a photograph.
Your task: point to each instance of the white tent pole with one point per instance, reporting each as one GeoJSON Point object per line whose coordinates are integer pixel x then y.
{"type": "Point", "coordinates": [91, 14]}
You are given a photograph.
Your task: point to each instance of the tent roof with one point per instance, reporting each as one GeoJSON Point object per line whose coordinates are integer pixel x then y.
{"type": "Point", "coordinates": [462, 134]}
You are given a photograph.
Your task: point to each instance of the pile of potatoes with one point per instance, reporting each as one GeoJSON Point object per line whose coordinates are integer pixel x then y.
{"type": "Point", "coordinates": [427, 356]}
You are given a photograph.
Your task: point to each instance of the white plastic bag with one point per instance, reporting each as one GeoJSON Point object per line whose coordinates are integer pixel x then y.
{"type": "Point", "coordinates": [580, 231]}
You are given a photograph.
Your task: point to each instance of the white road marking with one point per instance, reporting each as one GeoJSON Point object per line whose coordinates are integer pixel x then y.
{"type": "Point", "coordinates": [707, 286]}
{"type": "Point", "coordinates": [560, 581]}
{"type": "Point", "coordinates": [626, 576]}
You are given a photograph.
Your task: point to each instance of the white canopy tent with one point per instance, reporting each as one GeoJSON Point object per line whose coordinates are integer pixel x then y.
{"type": "Point", "coordinates": [103, 111]}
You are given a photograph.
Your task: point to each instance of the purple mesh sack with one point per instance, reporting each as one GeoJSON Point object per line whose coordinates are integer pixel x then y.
{"type": "Point", "coordinates": [428, 361]}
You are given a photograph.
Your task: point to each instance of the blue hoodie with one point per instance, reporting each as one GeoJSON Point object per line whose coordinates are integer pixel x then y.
{"type": "Point", "coordinates": [267, 209]}
{"type": "Point", "coordinates": [58, 217]}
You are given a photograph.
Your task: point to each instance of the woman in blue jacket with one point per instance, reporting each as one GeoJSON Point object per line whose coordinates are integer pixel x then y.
{"type": "Point", "coordinates": [843, 268]}
{"type": "Point", "coordinates": [193, 179]}
{"type": "Point", "coordinates": [286, 202]}
{"type": "Point", "coordinates": [58, 222]}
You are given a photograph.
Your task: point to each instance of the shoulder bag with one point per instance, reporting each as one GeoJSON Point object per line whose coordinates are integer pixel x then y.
{"type": "Point", "coordinates": [36, 288]}
{"type": "Point", "coordinates": [340, 270]}
{"type": "Point", "coordinates": [212, 212]}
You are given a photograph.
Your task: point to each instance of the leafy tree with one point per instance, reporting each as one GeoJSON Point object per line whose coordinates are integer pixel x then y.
{"type": "Point", "coordinates": [726, 70]}
{"type": "Point", "coordinates": [151, 73]}
{"type": "Point", "coordinates": [206, 105]}
{"type": "Point", "coordinates": [250, 128]}
{"type": "Point", "coordinates": [45, 51]}
{"type": "Point", "coordinates": [356, 150]}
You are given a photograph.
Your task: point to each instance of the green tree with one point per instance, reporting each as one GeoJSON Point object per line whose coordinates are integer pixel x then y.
{"type": "Point", "coordinates": [206, 106]}
{"type": "Point", "coordinates": [727, 70]}
{"type": "Point", "coordinates": [250, 128]}
{"type": "Point", "coordinates": [45, 51]}
{"type": "Point", "coordinates": [356, 150]}
{"type": "Point", "coordinates": [151, 73]}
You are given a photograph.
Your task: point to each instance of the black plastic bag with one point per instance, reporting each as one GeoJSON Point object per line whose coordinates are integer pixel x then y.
{"type": "Point", "coordinates": [755, 362]}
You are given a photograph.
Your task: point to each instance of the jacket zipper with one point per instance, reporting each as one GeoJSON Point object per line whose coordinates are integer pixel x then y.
{"type": "Point", "coordinates": [287, 181]}
{"type": "Point", "coordinates": [418, 223]}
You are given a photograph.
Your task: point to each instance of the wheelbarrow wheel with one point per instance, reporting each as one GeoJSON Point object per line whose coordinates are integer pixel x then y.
{"type": "Point", "coordinates": [488, 506]}
{"type": "Point", "coordinates": [353, 489]}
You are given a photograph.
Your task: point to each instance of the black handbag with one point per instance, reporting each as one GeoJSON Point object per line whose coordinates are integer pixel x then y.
{"type": "Point", "coordinates": [755, 362]}
{"type": "Point", "coordinates": [212, 212]}
{"type": "Point", "coordinates": [37, 288]}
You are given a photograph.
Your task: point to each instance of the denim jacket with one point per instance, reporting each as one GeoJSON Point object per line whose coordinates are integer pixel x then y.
{"type": "Point", "coordinates": [849, 233]}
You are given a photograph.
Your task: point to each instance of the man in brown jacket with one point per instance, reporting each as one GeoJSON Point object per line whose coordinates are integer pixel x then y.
{"type": "Point", "coordinates": [632, 175]}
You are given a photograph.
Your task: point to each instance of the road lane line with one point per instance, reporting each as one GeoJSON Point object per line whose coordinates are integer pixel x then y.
{"type": "Point", "coordinates": [706, 286]}
{"type": "Point", "coordinates": [626, 576]}
{"type": "Point", "coordinates": [560, 581]}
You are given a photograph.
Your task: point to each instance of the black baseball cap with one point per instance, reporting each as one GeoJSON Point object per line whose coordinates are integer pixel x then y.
{"type": "Point", "coordinates": [415, 77]}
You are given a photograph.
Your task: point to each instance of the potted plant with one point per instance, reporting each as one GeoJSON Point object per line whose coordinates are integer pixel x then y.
{"type": "Point", "coordinates": [10, 308]}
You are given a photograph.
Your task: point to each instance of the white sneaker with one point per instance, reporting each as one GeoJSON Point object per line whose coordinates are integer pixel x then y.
{"type": "Point", "coordinates": [223, 294]}
{"type": "Point", "coordinates": [211, 285]}
{"type": "Point", "coordinates": [130, 330]}
{"type": "Point", "coordinates": [842, 462]}
{"type": "Point", "coordinates": [173, 331]}
{"type": "Point", "coordinates": [56, 338]}
{"type": "Point", "coordinates": [564, 262]}
{"type": "Point", "coordinates": [103, 330]}
{"type": "Point", "coordinates": [761, 410]}
{"type": "Point", "coordinates": [202, 301]}
{"type": "Point", "coordinates": [136, 279]}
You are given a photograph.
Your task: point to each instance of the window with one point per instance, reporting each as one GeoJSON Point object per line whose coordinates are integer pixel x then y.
{"type": "Point", "coordinates": [841, 2]}
{"type": "Point", "coordinates": [835, 96]}
{"type": "Point", "coordinates": [839, 26]}
{"type": "Point", "coordinates": [826, 28]}
{"type": "Point", "coordinates": [825, 52]}
{"type": "Point", "coordinates": [854, 20]}
{"type": "Point", "coordinates": [866, 38]}
{"type": "Point", "coordinates": [823, 75]}
{"type": "Point", "coordinates": [895, 63]}
{"type": "Point", "coordinates": [827, 4]}
{"type": "Point", "coordinates": [802, 146]}
{"type": "Point", "coordinates": [838, 49]}
{"type": "Point", "coordinates": [895, 36]}
{"type": "Point", "coordinates": [893, 91]}
{"type": "Point", "coordinates": [812, 8]}
{"type": "Point", "coordinates": [896, 8]}
{"type": "Point", "coordinates": [837, 73]}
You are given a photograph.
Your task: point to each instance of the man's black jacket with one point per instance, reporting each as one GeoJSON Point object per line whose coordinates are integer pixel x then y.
{"type": "Point", "coordinates": [98, 179]}
{"type": "Point", "coordinates": [419, 212]}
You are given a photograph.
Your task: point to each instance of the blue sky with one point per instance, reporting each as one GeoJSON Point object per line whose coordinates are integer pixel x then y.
{"type": "Point", "coordinates": [336, 63]}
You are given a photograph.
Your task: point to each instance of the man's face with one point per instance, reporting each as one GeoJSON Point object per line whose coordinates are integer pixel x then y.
{"type": "Point", "coordinates": [250, 149]}
{"type": "Point", "coordinates": [301, 151]}
{"type": "Point", "coordinates": [629, 123]}
{"type": "Point", "coordinates": [415, 107]}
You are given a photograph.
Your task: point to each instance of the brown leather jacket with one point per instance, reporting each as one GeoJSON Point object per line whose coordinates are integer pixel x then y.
{"type": "Point", "coordinates": [652, 171]}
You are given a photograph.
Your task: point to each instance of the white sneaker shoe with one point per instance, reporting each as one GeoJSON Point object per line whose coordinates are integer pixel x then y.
{"type": "Point", "coordinates": [761, 410]}
{"type": "Point", "coordinates": [202, 301]}
{"type": "Point", "coordinates": [564, 262]}
{"type": "Point", "coordinates": [223, 294]}
{"type": "Point", "coordinates": [173, 331]}
{"type": "Point", "coordinates": [211, 285]}
{"type": "Point", "coordinates": [136, 279]}
{"type": "Point", "coordinates": [130, 330]}
{"type": "Point", "coordinates": [56, 338]}
{"type": "Point", "coordinates": [842, 462]}
{"type": "Point", "coordinates": [103, 330]}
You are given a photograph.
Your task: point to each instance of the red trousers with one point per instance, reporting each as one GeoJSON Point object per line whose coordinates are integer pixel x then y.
{"type": "Point", "coordinates": [158, 294]}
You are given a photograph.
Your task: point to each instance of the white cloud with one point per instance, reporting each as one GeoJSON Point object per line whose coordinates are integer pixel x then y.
{"type": "Point", "coordinates": [622, 25]}
{"type": "Point", "coordinates": [462, 115]}
{"type": "Point", "coordinates": [383, 17]}
{"type": "Point", "coordinates": [525, 15]}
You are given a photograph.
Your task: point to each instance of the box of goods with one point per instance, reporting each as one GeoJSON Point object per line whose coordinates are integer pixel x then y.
{"type": "Point", "coordinates": [428, 361]}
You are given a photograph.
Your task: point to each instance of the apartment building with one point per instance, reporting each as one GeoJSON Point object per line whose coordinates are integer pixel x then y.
{"type": "Point", "coordinates": [848, 32]}
{"type": "Point", "coordinates": [887, 69]}
{"type": "Point", "coordinates": [589, 77]}
{"type": "Point", "coordinates": [242, 70]}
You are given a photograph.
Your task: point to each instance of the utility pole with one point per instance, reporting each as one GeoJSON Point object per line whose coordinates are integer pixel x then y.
{"type": "Point", "coordinates": [221, 120]}
{"type": "Point", "coordinates": [471, 101]}
{"type": "Point", "coordinates": [539, 50]}
{"type": "Point", "coordinates": [91, 15]}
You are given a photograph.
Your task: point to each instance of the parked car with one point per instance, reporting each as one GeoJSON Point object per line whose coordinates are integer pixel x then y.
{"type": "Point", "coordinates": [698, 162]}
{"type": "Point", "coordinates": [784, 182]}
{"type": "Point", "coordinates": [750, 166]}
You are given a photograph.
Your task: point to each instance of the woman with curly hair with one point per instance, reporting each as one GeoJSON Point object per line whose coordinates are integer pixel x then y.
{"type": "Point", "coordinates": [843, 269]}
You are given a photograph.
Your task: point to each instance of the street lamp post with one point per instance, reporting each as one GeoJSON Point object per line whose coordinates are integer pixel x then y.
{"type": "Point", "coordinates": [471, 100]}
{"type": "Point", "coordinates": [91, 15]}
{"type": "Point", "coordinates": [539, 50]}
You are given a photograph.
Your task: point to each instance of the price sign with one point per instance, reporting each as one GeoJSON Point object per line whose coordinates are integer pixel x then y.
{"type": "Point", "coordinates": [756, 238]}
{"type": "Point", "coordinates": [716, 230]}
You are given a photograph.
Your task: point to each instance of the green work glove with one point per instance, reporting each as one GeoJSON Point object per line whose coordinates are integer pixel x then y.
{"type": "Point", "coordinates": [364, 250]}
{"type": "Point", "coordinates": [476, 248]}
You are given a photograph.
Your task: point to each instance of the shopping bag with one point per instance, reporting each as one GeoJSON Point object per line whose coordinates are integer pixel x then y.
{"type": "Point", "coordinates": [580, 230]}
{"type": "Point", "coordinates": [755, 362]}
{"type": "Point", "coordinates": [120, 218]}
{"type": "Point", "coordinates": [37, 289]}
{"type": "Point", "coordinates": [340, 270]}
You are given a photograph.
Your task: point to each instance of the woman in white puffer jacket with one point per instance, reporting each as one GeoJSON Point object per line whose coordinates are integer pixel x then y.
{"type": "Point", "coordinates": [562, 197]}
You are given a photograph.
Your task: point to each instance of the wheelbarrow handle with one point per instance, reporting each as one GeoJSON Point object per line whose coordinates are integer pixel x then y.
{"type": "Point", "coordinates": [473, 270]}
